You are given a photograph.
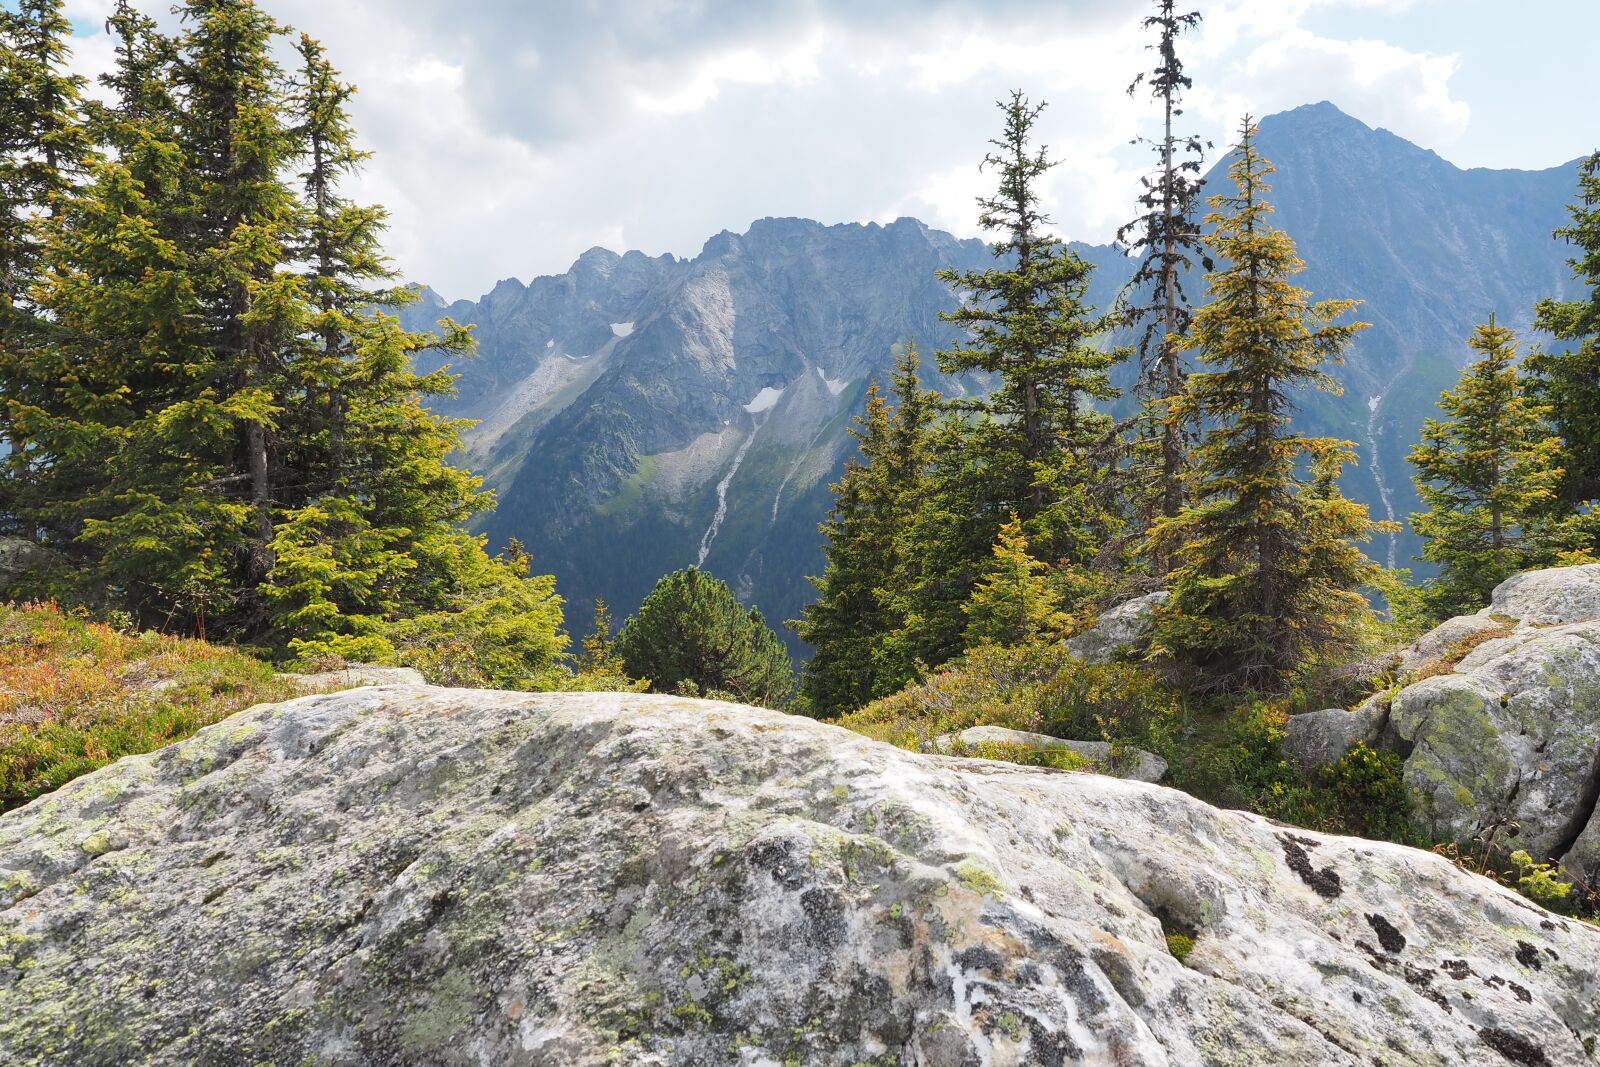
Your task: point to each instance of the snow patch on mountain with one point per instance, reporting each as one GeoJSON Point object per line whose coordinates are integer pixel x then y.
{"type": "Point", "coordinates": [835, 386]}
{"type": "Point", "coordinates": [765, 400]}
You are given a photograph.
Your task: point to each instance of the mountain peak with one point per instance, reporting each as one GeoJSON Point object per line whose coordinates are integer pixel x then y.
{"type": "Point", "coordinates": [1322, 117]}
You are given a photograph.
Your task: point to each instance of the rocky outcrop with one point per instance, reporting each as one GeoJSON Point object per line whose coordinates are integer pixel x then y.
{"type": "Point", "coordinates": [1135, 764]}
{"type": "Point", "coordinates": [1121, 630]}
{"type": "Point", "coordinates": [1317, 738]}
{"type": "Point", "coordinates": [407, 875]}
{"type": "Point", "coordinates": [1501, 726]}
{"type": "Point", "coordinates": [20, 558]}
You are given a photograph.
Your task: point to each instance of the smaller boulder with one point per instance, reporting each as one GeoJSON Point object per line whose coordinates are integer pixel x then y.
{"type": "Point", "coordinates": [357, 674]}
{"type": "Point", "coordinates": [1134, 764]}
{"type": "Point", "coordinates": [20, 557]}
{"type": "Point", "coordinates": [1551, 597]}
{"type": "Point", "coordinates": [1318, 738]}
{"type": "Point", "coordinates": [1447, 640]}
{"type": "Point", "coordinates": [1124, 627]}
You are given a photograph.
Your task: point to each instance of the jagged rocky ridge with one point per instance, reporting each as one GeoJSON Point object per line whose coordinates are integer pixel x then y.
{"type": "Point", "coordinates": [641, 414]}
{"type": "Point", "coordinates": [406, 875]}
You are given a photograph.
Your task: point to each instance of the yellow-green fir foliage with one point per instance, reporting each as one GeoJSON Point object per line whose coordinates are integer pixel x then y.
{"type": "Point", "coordinates": [1013, 603]}
{"type": "Point", "coordinates": [1489, 473]}
{"type": "Point", "coordinates": [1265, 575]}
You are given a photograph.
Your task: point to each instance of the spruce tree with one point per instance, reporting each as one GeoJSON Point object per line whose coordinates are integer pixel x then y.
{"type": "Point", "coordinates": [44, 151]}
{"type": "Point", "coordinates": [941, 552]}
{"type": "Point", "coordinates": [874, 501]}
{"type": "Point", "coordinates": [221, 430]}
{"type": "Point", "coordinates": [1489, 473]}
{"type": "Point", "coordinates": [1013, 603]}
{"type": "Point", "coordinates": [1255, 589]}
{"type": "Point", "coordinates": [1567, 381]}
{"type": "Point", "coordinates": [1028, 323]}
{"type": "Point", "coordinates": [44, 144]}
{"type": "Point", "coordinates": [1166, 238]}
{"type": "Point", "coordinates": [691, 635]}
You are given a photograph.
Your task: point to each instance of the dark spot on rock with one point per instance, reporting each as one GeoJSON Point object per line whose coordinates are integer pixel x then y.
{"type": "Point", "coordinates": [1552, 952]}
{"type": "Point", "coordinates": [1050, 1048]}
{"type": "Point", "coordinates": [1457, 969]}
{"type": "Point", "coordinates": [1390, 938]}
{"type": "Point", "coordinates": [1546, 924]}
{"type": "Point", "coordinates": [1514, 1047]}
{"type": "Point", "coordinates": [1421, 980]}
{"type": "Point", "coordinates": [825, 915]}
{"type": "Point", "coordinates": [1495, 982]}
{"type": "Point", "coordinates": [1356, 996]}
{"type": "Point", "coordinates": [1521, 993]}
{"type": "Point", "coordinates": [1325, 881]}
{"type": "Point", "coordinates": [981, 958]}
{"type": "Point", "coordinates": [1528, 956]}
{"type": "Point", "coordinates": [781, 859]}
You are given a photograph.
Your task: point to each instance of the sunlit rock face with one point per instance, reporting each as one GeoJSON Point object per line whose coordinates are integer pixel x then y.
{"type": "Point", "coordinates": [406, 875]}
{"type": "Point", "coordinates": [1497, 715]}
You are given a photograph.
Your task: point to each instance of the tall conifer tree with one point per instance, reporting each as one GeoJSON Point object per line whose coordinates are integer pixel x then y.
{"type": "Point", "coordinates": [1568, 382]}
{"type": "Point", "coordinates": [874, 503]}
{"type": "Point", "coordinates": [1166, 237]}
{"type": "Point", "coordinates": [1255, 589]}
{"type": "Point", "coordinates": [1028, 323]}
{"type": "Point", "coordinates": [1489, 473]}
{"type": "Point", "coordinates": [44, 151]}
{"type": "Point", "coordinates": [220, 430]}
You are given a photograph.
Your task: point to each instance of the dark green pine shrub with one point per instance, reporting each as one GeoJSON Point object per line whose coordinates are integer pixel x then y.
{"type": "Point", "coordinates": [692, 636]}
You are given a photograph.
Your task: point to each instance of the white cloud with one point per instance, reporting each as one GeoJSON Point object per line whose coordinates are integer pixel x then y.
{"type": "Point", "coordinates": [511, 136]}
{"type": "Point", "coordinates": [1408, 92]}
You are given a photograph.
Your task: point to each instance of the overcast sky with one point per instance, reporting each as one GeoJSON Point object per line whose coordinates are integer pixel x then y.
{"type": "Point", "coordinates": [511, 135]}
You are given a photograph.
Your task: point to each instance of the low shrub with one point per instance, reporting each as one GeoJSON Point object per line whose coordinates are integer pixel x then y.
{"type": "Point", "coordinates": [1039, 688]}
{"type": "Point", "coordinates": [1226, 753]}
{"type": "Point", "coordinates": [76, 694]}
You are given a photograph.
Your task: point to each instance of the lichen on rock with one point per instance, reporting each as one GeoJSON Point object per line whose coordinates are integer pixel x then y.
{"type": "Point", "coordinates": [413, 875]}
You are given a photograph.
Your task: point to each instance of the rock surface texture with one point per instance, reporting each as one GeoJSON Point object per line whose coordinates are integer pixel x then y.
{"type": "Point", "coordinates": [354, 674]}
{"type": "Point", "coordinates": [1501, 728]}
{"type": "Point", "coordinates": [1317, 738]}
{"type": "Point", "coordinates": [1122, 629]}
{"type": "Point", "coordinates": [404, 875]}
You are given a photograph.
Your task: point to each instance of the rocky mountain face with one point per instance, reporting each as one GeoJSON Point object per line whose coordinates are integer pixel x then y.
{"type": "Point", "coordinates": [641, 414]}
{"type": "Point", "coordinates": [1431, 250]}
{"type": "Point", "coordinates": [410, 875]}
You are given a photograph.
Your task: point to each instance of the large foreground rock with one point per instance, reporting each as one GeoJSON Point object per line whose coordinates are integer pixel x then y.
{"type": "Point", "coordinates": [421, 876]}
